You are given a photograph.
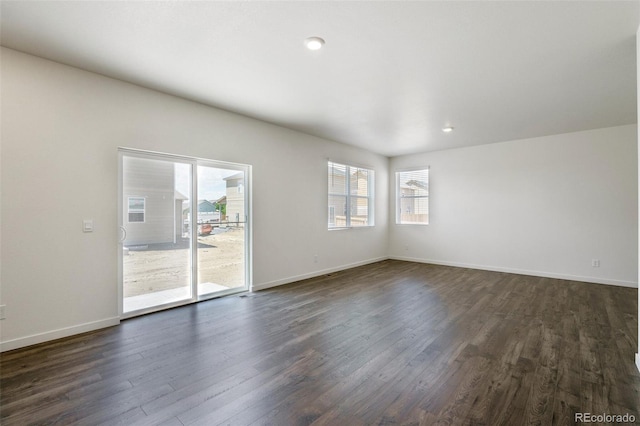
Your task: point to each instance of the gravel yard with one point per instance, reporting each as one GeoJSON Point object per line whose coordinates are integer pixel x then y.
{"type": "Point", "coordinates": [221, 261]}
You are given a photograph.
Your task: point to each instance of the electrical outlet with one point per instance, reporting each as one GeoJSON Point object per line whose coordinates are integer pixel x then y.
{"type": "Point", "coordinates": [2, 307]}
{"type": "Point", "coordinates": [315, 258]}
{"type": "Point", "coordinates": [595, 263]}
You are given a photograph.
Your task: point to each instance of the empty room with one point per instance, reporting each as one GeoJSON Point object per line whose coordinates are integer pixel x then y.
{"type": "Point", "coordinates": [319, 212]}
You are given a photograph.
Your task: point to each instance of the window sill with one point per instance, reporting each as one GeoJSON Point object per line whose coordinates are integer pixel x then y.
{"type": "Point", "coordinates": [344, 228]}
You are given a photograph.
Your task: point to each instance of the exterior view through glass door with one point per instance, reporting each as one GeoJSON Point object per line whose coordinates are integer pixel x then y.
{"type": "Point", "coordinates": [221, 230]}
{"type": "Point", "coordinates": [183, 230]}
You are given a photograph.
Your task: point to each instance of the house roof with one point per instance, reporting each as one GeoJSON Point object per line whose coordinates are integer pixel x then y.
{"type": "Point", "coordinates": [239, 175]}
{"type": "Point", "coordinates": [179, 195]}
{"type": "Point", "coordinates": [206, 206]}
{"type": "Point", "coordinates": [416, 183]}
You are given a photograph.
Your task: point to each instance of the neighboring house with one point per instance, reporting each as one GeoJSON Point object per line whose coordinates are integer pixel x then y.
{"type": "Point", "coordinates": [235, 197]}
{"type": "Point", "coordinates": [152, 206]}
{"type": "Point", "coordinates": [360, 187]}
{"type": "Point", "coordinates": [207, 212]}
{"type": "Point", "coordinates": [414, 204]}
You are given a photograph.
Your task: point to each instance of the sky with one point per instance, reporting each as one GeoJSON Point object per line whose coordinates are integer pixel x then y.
{"type": "Point", "coordinates": [211, 185]}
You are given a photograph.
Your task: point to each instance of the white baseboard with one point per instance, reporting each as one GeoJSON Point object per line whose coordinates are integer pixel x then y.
{"type": "Point", "coordinates": [595, 280]}
{"type": "Point", "coordinates": [57, 334]}
{"type": "Point", "coordinates": [95, 325]}
{"type": "Point", "coordinates": [638, 361]}
{"type": "Point", "coordinates": [263, 286]}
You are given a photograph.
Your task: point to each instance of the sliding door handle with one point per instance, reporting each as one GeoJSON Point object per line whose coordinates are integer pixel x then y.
{"type": "Point", "coordinates": [124, 234]}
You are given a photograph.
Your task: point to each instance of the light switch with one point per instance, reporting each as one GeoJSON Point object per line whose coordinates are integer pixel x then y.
{"type": "Point", "coordinates": [87, 225]}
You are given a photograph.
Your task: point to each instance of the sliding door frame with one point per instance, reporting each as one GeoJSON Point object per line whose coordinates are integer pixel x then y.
{"type": "Point", "coordinates": [248, 239]}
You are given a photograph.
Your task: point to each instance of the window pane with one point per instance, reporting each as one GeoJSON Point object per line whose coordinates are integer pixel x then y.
{"type": "Point", "coordinates": [359, 182]}
{"type": "Point", "coordinates": [337, 211]}
{"type": "Point", "coordinates": [136, 204]}
{"type": "Point", "coordinates": [413, 196]}
{"type": "Point", "coordinates": [221, 229]}
{"type": "Point", "coordinates": [156, 265]}
{"type": "Point", "coordinates": [337, 179]}
{"type": "Point", "coordinates": [136, 217]}
{"type": "Point", "coordinates": [414, 210]}
{"type": "Point", "coordinates": [359, 211]}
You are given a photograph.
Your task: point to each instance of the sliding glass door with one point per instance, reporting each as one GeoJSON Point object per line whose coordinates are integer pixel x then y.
{"type": "Point", "coordinates": [183, 230]}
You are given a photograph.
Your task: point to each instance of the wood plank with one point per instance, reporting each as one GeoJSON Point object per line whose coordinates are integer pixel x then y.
{"type": "Point", "coordinates": [389, 343]}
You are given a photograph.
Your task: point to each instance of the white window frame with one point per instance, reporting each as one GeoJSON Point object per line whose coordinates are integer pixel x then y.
{"type": "Point", "coordinates": [399, 196]}
{"type": "Point", "coordinates": [350, 197]}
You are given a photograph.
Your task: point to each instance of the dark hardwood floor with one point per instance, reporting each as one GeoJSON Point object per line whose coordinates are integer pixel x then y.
{"type": "Point", "coordinates": [389, 343]}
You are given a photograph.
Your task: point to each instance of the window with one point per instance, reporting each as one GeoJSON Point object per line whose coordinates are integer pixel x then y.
{"type": "Point", "coordinates": [350, 196]}
{"type": "Point", "coordinates": [136, 209]}
{"type": "Point", "coordinates": [412, 197]}
{"type": "Point", "coordinates": [332, 216]}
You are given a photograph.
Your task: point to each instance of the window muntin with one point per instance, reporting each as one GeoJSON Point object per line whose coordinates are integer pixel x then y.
{"type": "Point", "coordinates": [412, 197]}
{"type": "Point", "coordinates": [350, 196]}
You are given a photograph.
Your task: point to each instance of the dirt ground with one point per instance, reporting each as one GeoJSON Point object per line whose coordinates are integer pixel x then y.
{"type": "Point", "coordinates": [220, 256]}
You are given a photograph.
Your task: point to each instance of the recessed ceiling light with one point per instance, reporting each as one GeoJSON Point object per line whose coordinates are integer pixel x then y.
{"type": "Point", "coordinates": [314, 43]}
{"type": "Point", "coordinates": [447, 129]}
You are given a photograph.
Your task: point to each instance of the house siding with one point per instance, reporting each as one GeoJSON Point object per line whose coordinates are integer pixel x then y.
{"type": "Point", "coordinates": [152, 180]}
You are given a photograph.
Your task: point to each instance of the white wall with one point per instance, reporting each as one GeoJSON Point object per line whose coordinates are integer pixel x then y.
{"type": "Point", "coordinates": [545, 206]}
{"type": "Point", "coordinates": [61, 127]}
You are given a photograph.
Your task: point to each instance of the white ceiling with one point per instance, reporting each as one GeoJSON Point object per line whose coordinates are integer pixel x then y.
{"type": "Point", "coordinates": [391, 75]}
